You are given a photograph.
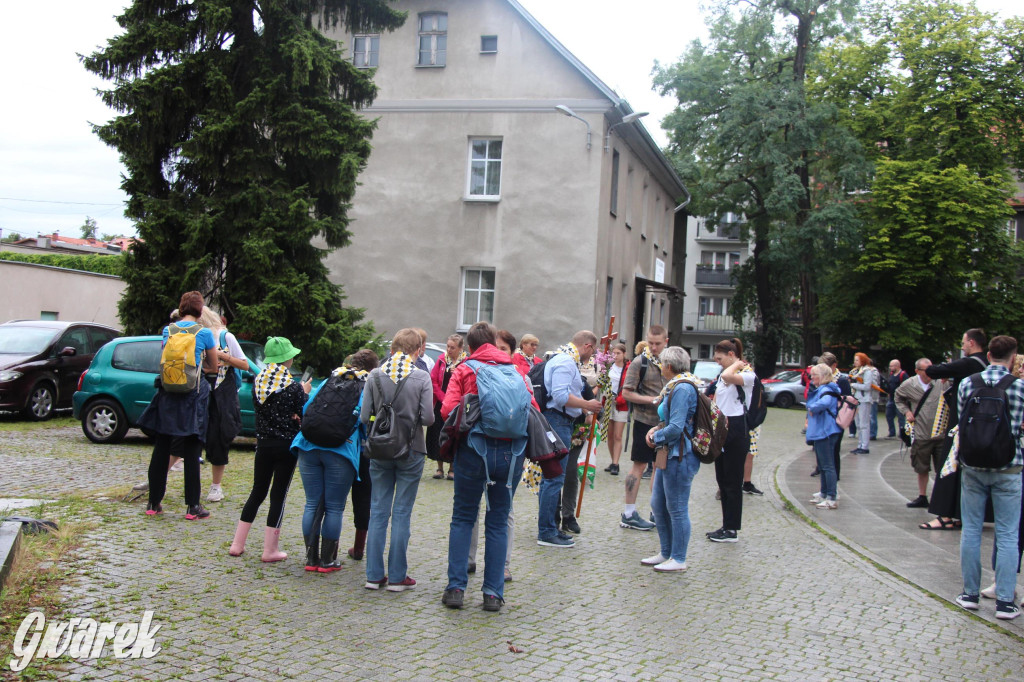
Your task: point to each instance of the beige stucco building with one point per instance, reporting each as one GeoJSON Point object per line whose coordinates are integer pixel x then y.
{"type": "Point", "coordinates": [41, 292]}
{"type": "Point", "coordinates": [483, 201]}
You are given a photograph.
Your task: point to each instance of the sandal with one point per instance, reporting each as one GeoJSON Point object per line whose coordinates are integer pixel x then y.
{"type": "Point", "coordinates": [438, 475]}
{"type": "Point", "coordinates": [944, 524]}
{"type": "Point", "coordinates": [451, 476]}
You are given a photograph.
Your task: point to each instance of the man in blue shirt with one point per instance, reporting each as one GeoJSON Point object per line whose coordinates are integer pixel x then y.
{"type": "Point", "coordinates": [1002, 485]}
{"type": "Point", "coordinates": [565, 408]}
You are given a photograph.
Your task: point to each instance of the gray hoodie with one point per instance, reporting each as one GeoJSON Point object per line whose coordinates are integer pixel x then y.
{"type": "Point", "coordinates": [415, 403]}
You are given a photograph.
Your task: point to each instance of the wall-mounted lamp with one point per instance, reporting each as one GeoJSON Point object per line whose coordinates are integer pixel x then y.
{"type": "Point", "coordinates": [572, 114]}
{"type": "Point", "coordinates": [628, 118]}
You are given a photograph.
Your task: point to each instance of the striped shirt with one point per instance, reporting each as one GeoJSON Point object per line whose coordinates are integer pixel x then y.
{"type": "Point", "coordinates": [1014, 396]}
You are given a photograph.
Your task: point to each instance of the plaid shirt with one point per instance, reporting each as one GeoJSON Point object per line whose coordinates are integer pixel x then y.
{"type": "Point", "coordinates": [1014, 395]}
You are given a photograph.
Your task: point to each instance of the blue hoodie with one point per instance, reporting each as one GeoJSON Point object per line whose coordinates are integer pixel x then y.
{"type": "Point", "coordinates": [822, 405]}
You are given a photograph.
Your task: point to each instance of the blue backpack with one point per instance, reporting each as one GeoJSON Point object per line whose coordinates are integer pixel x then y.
{"type": "Point", "coordinates": [504, 400]}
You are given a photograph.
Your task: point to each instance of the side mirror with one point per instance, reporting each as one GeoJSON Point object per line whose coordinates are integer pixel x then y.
{"type": "Point", "coordinates": [67, 352]}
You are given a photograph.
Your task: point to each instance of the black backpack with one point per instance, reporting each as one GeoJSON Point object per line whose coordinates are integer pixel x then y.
{"type": "Point", "coordinates": [758, 409]}
{"type": "Point", "coordinates": [388, 438]}
{"type": "Point", "coordinates": [987, 436]}
{"type": "Point", "coordinates": [332, 417]}
{"type": "Point", "coordinates": [540, 391]}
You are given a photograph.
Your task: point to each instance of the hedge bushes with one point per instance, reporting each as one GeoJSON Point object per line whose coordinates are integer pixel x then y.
{"type": "Point", "coordinates": [106, 265]}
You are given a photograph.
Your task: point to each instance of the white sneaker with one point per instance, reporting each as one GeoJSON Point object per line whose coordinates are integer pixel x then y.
{"type": "Point", "coordinates": [827, 504]}
{"type": "Point", "coordinates": [990, 592]}
{"type": "Point", "coordinates": [216, 494]}
{"type": "Point", "coordinates": [816, 498]}
{"type": "Point", "coordinates": [144, 486]}
{"type": "Point", "coordinates": [178, 466]}
{"type": "Point", "coordinates": [670, 566]}
{"type": "Point", "coordinates": [653, 560]}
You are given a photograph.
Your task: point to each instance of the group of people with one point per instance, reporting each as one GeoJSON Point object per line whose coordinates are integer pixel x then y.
{"type": "Point", "coordinates": [927, 407]}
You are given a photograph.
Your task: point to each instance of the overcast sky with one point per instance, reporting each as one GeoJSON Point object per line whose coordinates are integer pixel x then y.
{"type": "Point", "coordinates": [54, 171]}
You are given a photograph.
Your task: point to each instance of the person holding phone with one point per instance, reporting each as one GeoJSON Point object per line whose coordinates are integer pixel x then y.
{"type": "Point", "coordinates": [278, 402]}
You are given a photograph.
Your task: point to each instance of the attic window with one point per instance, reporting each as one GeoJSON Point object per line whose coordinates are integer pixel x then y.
{"type": "Point", "coordinates": [488, 44]}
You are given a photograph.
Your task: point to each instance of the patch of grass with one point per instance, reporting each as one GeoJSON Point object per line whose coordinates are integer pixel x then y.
{"type": "Point", "coordinates": [43, 563]}
{"type": "Point", "coordinates": [9, 421]}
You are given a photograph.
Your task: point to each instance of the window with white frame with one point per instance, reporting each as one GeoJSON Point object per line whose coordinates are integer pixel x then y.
{"type": "Point", "coordinates": [488, 44]}
{"type": "Point", "coordinates": [713, 305]}
{"type": "Point", "coordinates": [477, 295]}
{"type": "Point", "coordinates": [720, 260]}
{"type": "Point", "coordinates": [484, 168]}
{"type": "Point", "coordinates": [433, 39]}
{"type": "Point", "coordinates": [366, 50]}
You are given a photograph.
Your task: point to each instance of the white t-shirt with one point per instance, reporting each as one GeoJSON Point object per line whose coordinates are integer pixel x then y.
{"type": "Point", "coordinates": [614, 374]}
{"type": "Point", "coordinates": [727, 398]}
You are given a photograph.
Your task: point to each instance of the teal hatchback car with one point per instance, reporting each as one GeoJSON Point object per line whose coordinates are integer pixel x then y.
{"type": "Point", "coordinates": [119, 384]}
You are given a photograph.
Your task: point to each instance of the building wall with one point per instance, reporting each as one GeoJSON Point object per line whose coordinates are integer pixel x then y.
{"type": "Point", "coordinates": [550, 238]}
{"type": "Point", "coordinates": [30, 290]}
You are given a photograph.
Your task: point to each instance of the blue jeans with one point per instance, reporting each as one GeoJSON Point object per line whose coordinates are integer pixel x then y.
{"type": "Point", "coordinates": [874, 420]}
{"type": "Point", "coordinates": [891, 413]}
{"type": "Point", "coordinates": [327, 478]}
{"type": "Point", "coordinates": [1005, 490]}
{"type": "Point", "coordinates": [550, 496]}
{"type": "Point", "coordinates": [671, 501]}
{"type": "Point", "coordinates": [394, 491]}
{"type": "Point", "coordinates": [824, 452]}
{"type": "Point", "coordinates": [470, 483]}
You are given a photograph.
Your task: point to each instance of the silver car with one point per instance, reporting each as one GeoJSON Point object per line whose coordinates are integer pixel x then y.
{"type": "Point", "coordinates": [784, 389]}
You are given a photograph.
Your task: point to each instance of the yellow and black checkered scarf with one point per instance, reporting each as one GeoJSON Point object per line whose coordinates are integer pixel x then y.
{"type": "Point", "coordinates": [651, 359]}
{"type": "Point", "coordinates": [398, 366]}
{"type": "Point", "coordinates": [273, 378]}
{"type": "Point", "coordinates": [572, 351]}
{"type": "Point", "coordinates": [346, 372]}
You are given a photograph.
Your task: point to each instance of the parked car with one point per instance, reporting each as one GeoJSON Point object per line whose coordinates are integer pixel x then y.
{"type": "Point", "coordinates": [707, 371]}
{"type": "Point", "coordinates": [41, 360]}
{"type": "Point", "coordinates": [784, 389]}
{"type": "Point", "coordinates": [434, 351]}
{"type": "Point", "coordinates": [119, 385]}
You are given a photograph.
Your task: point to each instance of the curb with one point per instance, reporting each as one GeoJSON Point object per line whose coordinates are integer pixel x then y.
{"type": "Point", "coordinates": [10, 540]}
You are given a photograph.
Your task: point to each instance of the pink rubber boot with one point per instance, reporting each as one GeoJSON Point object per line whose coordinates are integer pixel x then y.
{"type": "Point", "coordinates": [270, 550]}
{"type": "Point", "coordinates": [241, 533]}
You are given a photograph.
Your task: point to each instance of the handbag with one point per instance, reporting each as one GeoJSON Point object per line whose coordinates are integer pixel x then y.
{"type": "Point", "coordinates": [459, 421]}
{"type": "Point", "coordinates": [847, 411]}
{"type": "Point", "coordinates": [661, 458]}
{"type": "Point", "coordinates": [908, 438]}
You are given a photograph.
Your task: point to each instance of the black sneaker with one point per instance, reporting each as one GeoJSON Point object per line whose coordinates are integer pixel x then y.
{"type": "Point", "coordinates": [816, 472]}
{"type": "Point", "coordinates": [749, 489]}
{"type": "Point", "coordinates": [453, 598]}
{"type": "Point", "coordinates": [472, 567]}
{"type": "Point", "coordinates": [714, 532]}
{"type": "Point", "coordinates": [920, 502]}
{"type": "Point", "coordinates": [556, 541]}
{"type": "Point", "coordinates": [492, 603]}
{"type": "Point", "coordinates": [1006, 610]}
{"type": "Point", "coordinates": [608, 469]}
{"type": "Point", "coordinates": [570, 525]}
{"type": "Point", "coordinates": [723, 536]}
{"type": "Point", "coordinates": [969, 601]}
{"type": "Point", "coordinates": [648, 472]}
{"type": "Point", "coordinates": [196, 511]}
{"type": "Point", "coordinates": [614, 470]}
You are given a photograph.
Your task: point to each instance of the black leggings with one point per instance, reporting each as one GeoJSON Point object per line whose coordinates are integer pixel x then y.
{"type": "Point", "coordinates": [273, 468]}
{"type": "Point", "coordinates": [729, 472]}
{"type": "Point", "coordinates": [186, 447]}
{"type": "Point", "coordinates": [361, 495]}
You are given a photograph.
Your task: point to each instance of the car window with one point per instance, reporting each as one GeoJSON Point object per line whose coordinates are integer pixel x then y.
{"type": "Point", "coordinates": [18, 340]}
{"type": "Point", "coordinates": [137, 356]}
{"type": "Point", "coordinates": [77, 338]}
{"type": "Point", "coordinates": [100, 337]}
{"type": "Point", "coordinates": [707, 370]}
{"type": "Point", "coordinates": [254, 352]}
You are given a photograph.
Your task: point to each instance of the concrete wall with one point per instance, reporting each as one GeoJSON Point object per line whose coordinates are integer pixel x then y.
{"type": "Point", "coordinates": [29, 290]}
{"type": "Point", "coordinates": [550, 238]}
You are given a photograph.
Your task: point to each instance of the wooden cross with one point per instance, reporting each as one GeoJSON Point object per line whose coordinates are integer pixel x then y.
{"type": "Point", "coordinates": [606, 340]}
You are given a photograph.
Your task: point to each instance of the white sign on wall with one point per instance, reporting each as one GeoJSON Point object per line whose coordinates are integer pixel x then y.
{"type": "Point", "coordinates": [659, 271]}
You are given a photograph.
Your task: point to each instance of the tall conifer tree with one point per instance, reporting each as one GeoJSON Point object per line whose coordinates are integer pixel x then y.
{"type": "Point", "coordinates": [239, 130]}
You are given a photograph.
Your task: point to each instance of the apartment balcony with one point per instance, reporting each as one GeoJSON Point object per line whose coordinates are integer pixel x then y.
{"type": "Point", "coordinates": [714, 277]}
{"type": "Point", "coordinates": [718, 324]}
{"type": "Point", "coordinates": [722, 232]}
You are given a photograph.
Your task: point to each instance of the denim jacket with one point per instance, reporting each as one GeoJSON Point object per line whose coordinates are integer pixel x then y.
{"type": "Point", "coordinates": [683, 401]}
{"type": "Point", "coordinates": [822, 404]}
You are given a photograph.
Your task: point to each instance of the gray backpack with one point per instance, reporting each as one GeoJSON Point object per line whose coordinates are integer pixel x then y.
{"type": "Point", "coordinates": [387, 439]}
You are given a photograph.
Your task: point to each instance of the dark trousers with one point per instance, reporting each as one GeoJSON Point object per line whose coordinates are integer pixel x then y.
{"type": "Point", "coordinates": [186, 447]}
{"type": "Point", "coordinates": [273, 468]}
{"type": "Point", "coordinates": [729, 472]}
{"type": "Point", "coordinates": [361, 490]}
{"type": "Point", "coordinates": [836, 451]}
{"type": "Point", "coordinates": [945, 499]}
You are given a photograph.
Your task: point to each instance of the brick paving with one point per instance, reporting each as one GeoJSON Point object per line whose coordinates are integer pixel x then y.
{"type": "Point", "coordinates": [786, 602]}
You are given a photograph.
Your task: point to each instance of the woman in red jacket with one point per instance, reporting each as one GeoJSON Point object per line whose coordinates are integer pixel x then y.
{"type": "Point", "coordinates": [440, 375]}
{"type": "Point", "coordinates": [525, 356]}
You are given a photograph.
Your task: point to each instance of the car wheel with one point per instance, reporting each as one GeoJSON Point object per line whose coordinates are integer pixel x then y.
{"type": "Point", "coordinates": [784, 400]}
{"type": "Point", "coordinates": [104, 422]}
{"type": "Point", "coordinates": [41, 402]}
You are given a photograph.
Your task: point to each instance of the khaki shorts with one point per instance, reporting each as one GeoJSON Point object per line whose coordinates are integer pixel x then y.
{"type": "Point", "coordinates": [621, 417]}
{"type": "Point", "coordinates": [923, 452]}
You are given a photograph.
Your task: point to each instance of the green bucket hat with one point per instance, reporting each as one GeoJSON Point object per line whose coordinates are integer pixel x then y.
{"type": "Point", "coordinates": [279, 349]}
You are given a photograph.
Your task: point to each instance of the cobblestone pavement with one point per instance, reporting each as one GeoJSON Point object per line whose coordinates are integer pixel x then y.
{"type": "Point", "coordinates": [785, 602]}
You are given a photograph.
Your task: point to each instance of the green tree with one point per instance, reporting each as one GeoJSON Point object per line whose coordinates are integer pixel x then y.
{"type": "Point", "coordinates": [747, 139]}
{"type": "Point", "coordinates": [240, 134]}
{"type": "Point", "coordinates": [933, 90]}
{"type": "Point", "coordinates": [12, 237]}
{"type": "Point", "coordinates": [88, 228]}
